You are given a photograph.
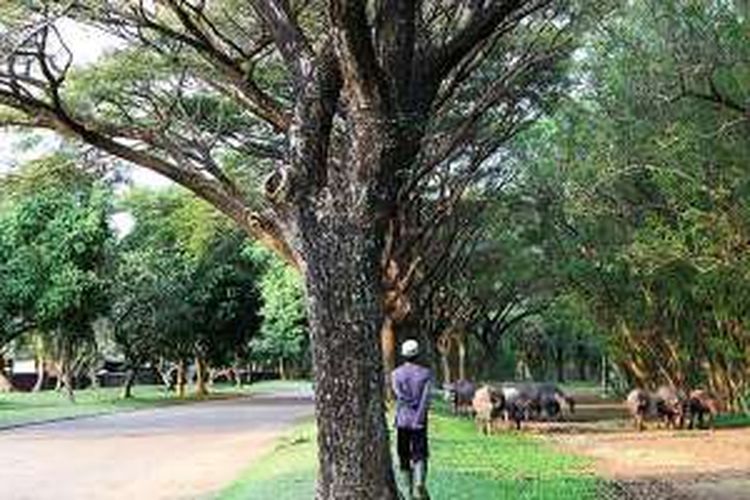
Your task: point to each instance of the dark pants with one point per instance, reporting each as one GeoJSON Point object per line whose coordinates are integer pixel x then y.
{"type": "Point", "coordinates": [412, 446]}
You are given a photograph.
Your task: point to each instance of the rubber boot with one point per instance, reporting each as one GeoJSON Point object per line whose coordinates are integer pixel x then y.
{"type": "Point", "coordinates": [408, 478]}
{"type": "Point", "coordinates": [420, 481]}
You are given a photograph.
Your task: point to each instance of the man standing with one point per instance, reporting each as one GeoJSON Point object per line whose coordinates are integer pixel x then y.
{"type": "Point", "coordinates": [411, 385]}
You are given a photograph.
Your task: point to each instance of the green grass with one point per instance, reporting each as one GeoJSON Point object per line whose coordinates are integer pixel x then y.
{"type": "Point", "coordinates": [22, 407]}
{"type": "Point", "coordinates": [463, 466]}
{"type": "Point", "coordinates": [286, 473]}
{"type": "Point", "coordinates": [730, 420]}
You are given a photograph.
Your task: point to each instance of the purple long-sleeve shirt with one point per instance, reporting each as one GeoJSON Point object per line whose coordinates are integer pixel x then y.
{"type": "Point", "coordinates": [411, 385]}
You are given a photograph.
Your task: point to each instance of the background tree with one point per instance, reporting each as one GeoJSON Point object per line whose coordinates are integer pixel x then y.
{"type": "Point", "coordinates": [56, 242]}
{"type": "Point", "coordinates": [283, 334]}
{"type": "Point", "coordinates": [136, 312]}
{"type": "Point", "coordinates": [648, 164]}
{"type": "Point", "coordinates": [189, 287]}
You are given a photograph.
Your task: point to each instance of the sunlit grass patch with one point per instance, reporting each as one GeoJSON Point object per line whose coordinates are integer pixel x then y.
{"type": "Point", "coordinates": [286, 473]}
{"type": "Point", "coordinates": [463, 465]}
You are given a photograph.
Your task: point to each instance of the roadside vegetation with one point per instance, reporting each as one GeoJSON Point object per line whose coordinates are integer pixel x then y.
{"type": "Point", "coordinates": [464, 465]}
{"type": "Point", "coordinates": [21, 408]}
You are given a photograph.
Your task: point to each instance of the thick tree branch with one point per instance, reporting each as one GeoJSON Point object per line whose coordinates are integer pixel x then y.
{"type": "Point", "coordinates": [396, 38]}
{"type": "Point", "coordinates": [718, 98]}
{"type": "Point", "coordinates": [289, 39]}
{"type": "Point", "coordinates": [257, 225]}
{"type": "Point", "coordinates": [479, 21]}
{"type": "Point", "coordinates": [197, 33]}
{"type": "Point", "coordinates": [361, 71]}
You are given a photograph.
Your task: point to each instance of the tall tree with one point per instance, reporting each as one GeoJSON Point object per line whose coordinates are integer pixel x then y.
{"type": "Point", "coordinates": [356, 106]}
{"type": "Point", "coordinates": [648, 166]}
{"type": "Point", "coordinates": [187, 287]}
{"type": "Point", "coordinates": [283, 337]}
{"type": "Point", "coordinates": [55, 243]}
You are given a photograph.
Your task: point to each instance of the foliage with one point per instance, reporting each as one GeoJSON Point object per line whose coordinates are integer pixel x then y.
{"type": "Point", "coordinates": [185, 281]}
{"type": "Point", "coordinates": [648, 161]}
{"type": "Point", "coordinates": [55, 246]}
{"type": "Point", "coordinates": [284, 335]}
{"type": "Point", "coordinates": [226, 301]}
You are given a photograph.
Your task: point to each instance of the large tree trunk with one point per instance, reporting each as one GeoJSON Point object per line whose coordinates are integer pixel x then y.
{"type": "Point", "coordinates": [461, 344]}
{"type": "Point", "coordinates": [93, 376]}
{"type": "Point", "coordinates": [181, 378]}
{"type": "Point", "coordinates": [388, 345]}
{"type": "Point", "coordinates": [237, 373]}
{"type": "Point", "coordinates": [345, 314]}
{"type": "Point", "coordinates": [39, 384]}
{"type": "Point", "coordinates": [67, 380]}
{"type": "Point", "coordinates": [6, 385]}
{"type": "Point", "coordinates": [127, 388]}
{"type": "Point", "coordinates": [559, 363]}
{"type": "Point", "coordinates": [201, 373]}
{"type": "Point", "coordinates": [443, 346]}
{"type": "Point", "coordinates": [165, 373]}
{"type": "Point", "coordinates": [65, 370]}
{"type": "Point", "coordinates": [59, 379]}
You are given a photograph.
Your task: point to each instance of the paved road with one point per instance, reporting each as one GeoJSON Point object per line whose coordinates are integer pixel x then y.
{"type": "Point", "coordinates": [180, 452]}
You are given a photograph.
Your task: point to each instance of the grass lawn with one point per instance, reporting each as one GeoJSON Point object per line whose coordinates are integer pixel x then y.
{"type": "Point", "coordinates": [463, 466]}
{"type": "Point", "coordinates": [24, 407]}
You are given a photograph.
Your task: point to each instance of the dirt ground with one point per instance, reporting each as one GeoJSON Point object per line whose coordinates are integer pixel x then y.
{"type": "Point", "coordinates": [656, 463]}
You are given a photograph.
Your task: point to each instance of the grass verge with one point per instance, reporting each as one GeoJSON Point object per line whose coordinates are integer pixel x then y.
{"type": "Point", "coordinates": [732, 420]}
{"type": "Point", "coordinates": [463, 466]}
{"type": "Point", "coordinates": [21, 408]}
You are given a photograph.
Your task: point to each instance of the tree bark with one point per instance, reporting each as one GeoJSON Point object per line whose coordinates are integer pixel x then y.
{"type": "Point", "coordinates": [67, 381]}
{"type": "Point", "coordinates": [92, 376]}
{"type": "Point", "coordinates": [345, 314]}
{"type": "Point", "coordinates": [388, 345]}
{"type": "Point", "coordinates": [181, 378]}
{"type": "Point", "coordinates": [59, 380]}
{"type": "Point", "coordinates": [165, 373]}
{"type": "Point", "coordinates": [461, 343]}
{"type": "Point", "coordinates": [39, 384]}
{"type": "Point", "coordinates": [582, 371]}
{"type": "Point", "coordinates": [237, 373]}
{"type": "Point", "coordinates": [6, 384]}
{"type": "Point", "coordinates": [559, 363]}
{"type": "Point", "coordinates": [65, 371]}
{"type": "Point", "coordinates": [443, 346]}
{"type": "Point", "coordinates": [127, 388]}
{"type": "Point", "coordinates": [201, 370]}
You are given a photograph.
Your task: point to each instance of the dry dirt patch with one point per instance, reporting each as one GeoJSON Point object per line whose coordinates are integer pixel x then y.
{"type": "Point", "coordinates": [657, 463]}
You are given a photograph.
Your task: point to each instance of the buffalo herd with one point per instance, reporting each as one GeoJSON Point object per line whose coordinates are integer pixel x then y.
{"type": "Point", "coordinates": [673, 408]}
{"type": "Point", "coordinates": [516, 402]}
{"type": "Point", "coordinates": [510, 402]}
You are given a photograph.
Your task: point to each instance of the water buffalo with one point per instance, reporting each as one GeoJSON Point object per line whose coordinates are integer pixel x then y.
{"type": "Point", "coordinates": [701, 403]}
{"type": "Point", "coordinates": [665, 404]}
{"type": "Point", "coordinates": [536, 400]}
{"type": "Point", "coordinates": [638, 403]}
{"type": "Point", "coordinates": [461, 393]}
{"type": "Point", "coordinates": [519, 402]}
{"type": "Point", "coordinates": [670, 406]}
{"type": "Point", "coordinates": [548, 401]}
{"type": "Point", "coordinates": [488, 403]}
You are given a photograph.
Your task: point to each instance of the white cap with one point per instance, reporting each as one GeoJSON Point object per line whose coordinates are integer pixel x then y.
{"type": "Point", "coordinates": [410, 348]}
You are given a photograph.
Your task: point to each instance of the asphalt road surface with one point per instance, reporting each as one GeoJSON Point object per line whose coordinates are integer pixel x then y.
{"type": "Point", "coordinates": [181, 452]}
